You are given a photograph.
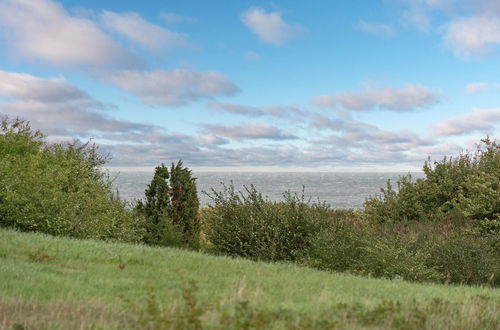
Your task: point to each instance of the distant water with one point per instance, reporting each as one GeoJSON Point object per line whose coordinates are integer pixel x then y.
{"type": "Point", "coordinates": [340, 190]}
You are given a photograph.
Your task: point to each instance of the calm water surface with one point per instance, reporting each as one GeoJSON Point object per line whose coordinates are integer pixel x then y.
{"type": "Point", "coordinates": [340, 190]}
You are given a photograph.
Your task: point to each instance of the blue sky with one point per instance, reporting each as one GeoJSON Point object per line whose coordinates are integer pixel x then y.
{"type": "Point", "coordinates": [361, 85]}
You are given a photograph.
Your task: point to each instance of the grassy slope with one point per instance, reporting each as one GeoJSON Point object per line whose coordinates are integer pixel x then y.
{"type": "Point", "coordinates": [86, 278]}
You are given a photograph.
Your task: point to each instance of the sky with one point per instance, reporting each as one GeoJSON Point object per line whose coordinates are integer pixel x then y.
{"type": "Point", "coordinates": [272, 85]}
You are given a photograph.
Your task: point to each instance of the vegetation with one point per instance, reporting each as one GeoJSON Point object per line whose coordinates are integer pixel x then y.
{"type": "Point", "coordinates": [447, 251]}
{"type": "Point", "coordinates": [171, 208]}
{"type": "Point", "coordinates": [444, 228]}
{"type": "Point", "coordinates": [249, 226]}
{"type": "Point", "coordinates": [58, 189]}
{"type": "Point", "coordinates": [467, 186]}
{"type": "Point", "coordinates": [425, 252]}
{"type": "Point", "coordinates": [56, 282]}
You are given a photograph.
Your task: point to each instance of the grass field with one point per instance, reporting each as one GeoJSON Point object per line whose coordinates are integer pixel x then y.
{"type": "Point", "coordinates": [48, 282]}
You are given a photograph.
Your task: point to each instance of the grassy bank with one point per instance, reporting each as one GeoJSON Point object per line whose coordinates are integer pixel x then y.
{"type": "Point", "coordinates": [59, 282]}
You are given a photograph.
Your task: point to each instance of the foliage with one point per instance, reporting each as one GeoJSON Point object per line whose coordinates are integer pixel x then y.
{"type": "Point", "coordinates": [339, 247]}
{"type": "Point", "coordinates": [171, 208]}
{"type": "Point", "coordinates": [376, 251]}
{"type": "Point", "coordinates": [465, 259]}
{"type": "Point", "coordinates": [445, 252]}
{"type": "Point", "coordinates": [396, 256]}
{"type": "Point", "coordinates": [468, 185]}
{"type": "Point", "coordinates": [58, 189]}
{"type": "Point", "coordinates": [248, 225]}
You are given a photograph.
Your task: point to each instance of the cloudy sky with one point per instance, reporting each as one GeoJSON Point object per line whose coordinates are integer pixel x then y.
{"type": "Point", "coordinates": [328, 84]}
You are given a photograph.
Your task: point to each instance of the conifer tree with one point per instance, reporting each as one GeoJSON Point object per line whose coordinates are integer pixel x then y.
{"type": "Point", "coordinates": [184, 202]}
{"type": "Point", "coordinates": [171, 207]}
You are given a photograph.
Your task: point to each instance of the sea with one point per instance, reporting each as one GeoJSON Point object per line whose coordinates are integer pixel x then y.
{"type": "Point", "coordinates": [346, 190]}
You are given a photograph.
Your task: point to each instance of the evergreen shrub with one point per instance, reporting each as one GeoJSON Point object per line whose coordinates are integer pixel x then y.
{"type": "Point", "coordinates": [171, 208]}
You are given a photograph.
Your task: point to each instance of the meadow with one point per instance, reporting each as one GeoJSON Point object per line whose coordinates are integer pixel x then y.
{"type": "Point", "coordinates": [61, 283]}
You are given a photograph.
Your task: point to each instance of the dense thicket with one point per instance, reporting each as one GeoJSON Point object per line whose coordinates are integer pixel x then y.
{"type": "Point", "coordinates": [171, 208]}
{"type": "Point", "coordinates": [58, 189]}
{"type": "Point", "coordinates": [443, 228]}
{"type": "Point", "coordinates": [247, 225]}
{"type": "Point", "coordinates": [467, 186]}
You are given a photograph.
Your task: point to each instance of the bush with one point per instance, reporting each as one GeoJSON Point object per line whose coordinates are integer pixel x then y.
{"type": "Point", "coordinates": [445, 251]}
{"type": "Point", "coordinates": [463, 258]}
{"type": "Point", "coordinates": [171, 208]}
{"type": "Point", "coordinates": [339, 247]}
{"type": "Point", "coordinates": [380, 251]}
{"type": "Point", "coordinates": [58, 189]}
{"type": "Point", "coordinates": [468, 185]}
{"type": "Point", "coordinates": [397, 256]}
{"type": "Point", "coordinates": [247, 225]}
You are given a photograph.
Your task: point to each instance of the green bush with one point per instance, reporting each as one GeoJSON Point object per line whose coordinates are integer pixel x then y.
{"type": "Point", "coordinates": [58, 189]}
{"type": "Point", "coordinates": [445, 251]}
{"type": "Point", "coordinates": [397, 257]}
{"type": "Point", "coordinates": [339, 247]}
{"type": "Point", "coordinates": [171, 208]}
{"type": "Point", "coordinates": [247, 225]}
{"type": "Point", "coordinates": [380, 251]}
{"type": "Point", "coordinates": [468, 185]}
{"type": "Point", "coordinates": [463, 258]}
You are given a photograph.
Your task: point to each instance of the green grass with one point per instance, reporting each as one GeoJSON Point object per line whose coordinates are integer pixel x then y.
{"type": "Point", "coordinates": [48, 282]}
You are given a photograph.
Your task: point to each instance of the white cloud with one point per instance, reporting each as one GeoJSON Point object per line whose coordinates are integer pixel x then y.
{"type": "Point", "coordinates": [471, 26]}
{"type": "Point", "coordinates": [418, 12]}
{"type": "Point", "coordinates": [211, 139]}
{"type": "Point", "coordinates": [358, 134]}
{"type": "Point", "coordinates": [478, 87]}
{"type": "Point", "coordinates": [273, 111]}
{"type": "Point", "coordinates": [250, 131]}
{"type": "Point", "coordinates": [378, 29]}
{"type": "Point", "coordinates": [151, 37]}
{"type": "Point", "coordinates": [485, 121]}
{"type": "Point", "coordinates": [27, 87]}
{"type": "Point", "coordinates": [473, 35]}
{"type": "Point", "coordinates": [173, 87]}
{"type": "Point", "coordinates": [252, 56]}
{"type": "Point", "coordinates": [59, 108]}
{"type": "Point", "coordinates": [173, 18]}
{"type": "Point", "coordinates": [133, 154]}
{"type": "Point", "coordinates": [408, 98]}
{"type": "Point", "coordinates": [269, 26]}
{"type": "Point", "coordinates": [65, 112]}
{"type": "Point", "coordinates": [363, 143]}
{"type": "Point", "coordinates": [42, 30]}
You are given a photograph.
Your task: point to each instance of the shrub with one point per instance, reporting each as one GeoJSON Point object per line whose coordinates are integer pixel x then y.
{"type": "Point", "coordinates": [468, 185]}
{"type": "Point", "coordinates": [463, 258]}
{"type": "Point", "coordinates": [397, 257]}
{"type": "Point", "coordinates": [446, 251]}
{"type": "Point", "coordinates": [339, 247]}
{"type": "Point", "coordinates": [247, 225]}
{"type": "Point", "coordinates": [171, 208]}
{"type": "Point", "coordinates": [58, 189]}
{"type": "Point", "coordinates": [388, 251]}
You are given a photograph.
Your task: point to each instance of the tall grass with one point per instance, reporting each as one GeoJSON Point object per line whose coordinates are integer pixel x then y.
{"type": "Point", "coordinates": [112, 285]}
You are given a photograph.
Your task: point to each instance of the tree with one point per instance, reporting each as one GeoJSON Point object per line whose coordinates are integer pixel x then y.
{"type": "Point", "coordinates": [171, 207]}
{"type": "Point", "coordinates": [58, 189]}
{"type": "Point", "coordinates": [467, 186]}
